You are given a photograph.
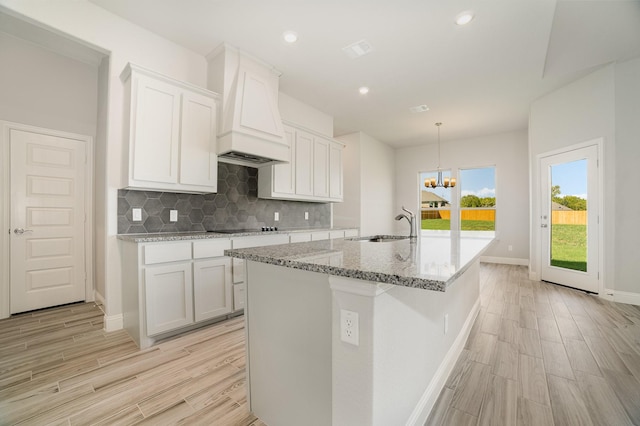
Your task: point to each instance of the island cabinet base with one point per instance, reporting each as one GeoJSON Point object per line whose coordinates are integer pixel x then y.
{"type": "Point", "coordinates": [301, 372]}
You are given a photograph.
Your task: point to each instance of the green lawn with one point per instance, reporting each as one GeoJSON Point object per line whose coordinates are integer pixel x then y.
{"type": "Point", "coordinates": [569, 246]}
{"type": "Point", "coordinates": [467, 225]}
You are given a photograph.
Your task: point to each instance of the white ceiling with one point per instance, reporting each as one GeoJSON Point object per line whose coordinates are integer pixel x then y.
{"type": "Point", "coordinates": [478, 79]}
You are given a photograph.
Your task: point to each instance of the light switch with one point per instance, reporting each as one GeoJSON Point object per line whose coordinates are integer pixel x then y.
{"type": "Point", "coordinates": [137, 214]}
{"type": "Point", "coordinates": [173, 215]}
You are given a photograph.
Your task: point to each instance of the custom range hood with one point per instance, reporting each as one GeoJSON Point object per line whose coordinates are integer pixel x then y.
{"type": "Point", "coordinates": [250, 131]}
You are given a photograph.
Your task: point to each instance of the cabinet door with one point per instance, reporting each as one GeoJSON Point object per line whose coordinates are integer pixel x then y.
{"type": "Point", "coordinates": [169, 297]}
{"type": "Point", "coordinates": [335, 171]}
{"type": "Point", "coordinates": [321, 168]}
{"type": "Point", "coordinates": [156, 127]}
{"type": "Point", "coordinates": [198, 158]}
{"type": "Point", "coordinates": [283, 174]}
{"type": "Point", "coordinates": [212, 288]}
{"type": "Point", "coordinates": [304, 163]}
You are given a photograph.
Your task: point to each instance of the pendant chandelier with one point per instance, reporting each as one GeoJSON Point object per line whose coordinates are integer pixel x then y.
{"type": "Point", "coordinates": [439, 183]}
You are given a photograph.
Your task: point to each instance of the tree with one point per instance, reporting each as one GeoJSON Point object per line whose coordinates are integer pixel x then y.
{"type": "Point", "coordinates": [574, 203]}
{"type": "Point", "coordinates": [555, 194]}
{"type": "Point", "coordinates": [470, 201]}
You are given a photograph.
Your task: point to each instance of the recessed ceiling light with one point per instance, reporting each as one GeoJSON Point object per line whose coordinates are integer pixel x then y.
{"type": "Point", "coordinates": [363, 90]}
{"type": "Point", "coordinates": [464, 18]}
{"type": "Point", "coordinates": [290, 36]}
{"type": "Point", "coordinates": [419, 108]}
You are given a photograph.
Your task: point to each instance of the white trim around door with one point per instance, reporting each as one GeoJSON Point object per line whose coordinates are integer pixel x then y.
{"type": "Point", "coordinates": [594, 150]}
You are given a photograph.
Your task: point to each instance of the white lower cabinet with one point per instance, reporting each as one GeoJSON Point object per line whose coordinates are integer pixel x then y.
{"type": "Point", "coordinates": [168, 297]}
{"type": "Point", "coordinates": [212, 288]}
{"type": "Point", "coordinates": [172, 285]}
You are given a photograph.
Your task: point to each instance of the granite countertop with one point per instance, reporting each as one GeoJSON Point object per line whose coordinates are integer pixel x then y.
{"type": "Point", "coordinates": [179, 236]}
{"type": "Point", "coordinates": [431, 263]}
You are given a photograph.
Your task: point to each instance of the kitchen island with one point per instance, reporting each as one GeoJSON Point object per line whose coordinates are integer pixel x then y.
{"type": "Point", "coordinates": [356, 332]}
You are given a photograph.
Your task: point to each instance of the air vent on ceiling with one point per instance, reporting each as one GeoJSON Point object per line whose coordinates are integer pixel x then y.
{"type": "Point", "coordinates": [419, 108]}
{"type": "Point", "coordinates": [357, 49]}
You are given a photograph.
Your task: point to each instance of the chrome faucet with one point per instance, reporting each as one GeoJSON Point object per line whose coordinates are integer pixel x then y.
{"type": "Point", "coordinates": [413, 233]}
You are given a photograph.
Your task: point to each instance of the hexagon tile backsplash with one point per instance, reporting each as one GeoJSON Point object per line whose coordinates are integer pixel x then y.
{"type": "Point", "coordinates": [235, 206]}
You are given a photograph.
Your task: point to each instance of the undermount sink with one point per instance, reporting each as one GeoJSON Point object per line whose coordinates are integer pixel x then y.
{"type": "Point", "coordinates": [380, 238]}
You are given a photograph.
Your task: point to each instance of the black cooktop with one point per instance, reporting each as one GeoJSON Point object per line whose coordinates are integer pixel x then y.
{"type": "Point", "coordinates": [242, 231]}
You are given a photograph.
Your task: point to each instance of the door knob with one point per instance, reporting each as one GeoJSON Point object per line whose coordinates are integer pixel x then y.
{"type": "Point", "coordinates": [20, 231]}
{"type": "Point", "coordinates": [544, 225]}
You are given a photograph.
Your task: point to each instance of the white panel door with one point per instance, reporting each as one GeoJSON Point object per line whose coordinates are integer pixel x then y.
{"type": "Point", "coordinates": [47, 220]}
{"type": "Point", "coordinates": [198, 159]}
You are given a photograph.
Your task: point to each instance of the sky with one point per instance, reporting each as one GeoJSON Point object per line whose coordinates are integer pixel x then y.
{"type": "Point", "coordinates": [480, 182]}
{"type": "Point", "coordinates": [572, 178]}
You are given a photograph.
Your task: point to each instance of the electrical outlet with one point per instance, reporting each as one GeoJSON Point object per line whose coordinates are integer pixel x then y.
{"type": "Point", "coordinates": [510, 248]}
{"type": "Point", "coordinates": [136, 214]}
{"type": "Point", "coordinates": [306, 215]}
{"type": "Point", "coordinates": [446, 323]}
{"type": "Point", "coordinates": [276, 216]}
{"type": "Point", "coordinates": [349, 327]}
{"type": "Point", "coordinates": [173, 215]}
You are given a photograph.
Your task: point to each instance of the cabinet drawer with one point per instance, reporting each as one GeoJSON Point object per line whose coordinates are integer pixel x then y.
{"type": "Point", "coordinates": [301, 237]}
{"type": "Point", "coordinates": [238, 296]}
{"type": "Point", "coordinates": [262, 240]}
{"type": "Point", "coordinates": [210, 248]}
{"type": "Point", "coordinates": [167, 252]}
{"type": "Point", "coordinates": [336, 234]}
{"type": "Point", "coordinates": [351, 233]}
{"type": "Point", "coordinates": [317, 236]}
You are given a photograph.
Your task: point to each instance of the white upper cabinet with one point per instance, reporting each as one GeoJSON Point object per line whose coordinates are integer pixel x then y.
{"type": "Point", "coordinates": [284, 175]}
{"type": "Point", "coordinates": [198, 159]}
{"type": "Point", "coordinates": [303, 164]}
{"type": "Point", "coordinates": [172, 134]}
{"type": "Point", "coordinates": [313, 174]}
{"type": "Point", "coordinates": [321, 168]}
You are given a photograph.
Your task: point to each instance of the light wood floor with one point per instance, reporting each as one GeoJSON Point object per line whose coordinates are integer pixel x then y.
{"type": "Point", "coordinates": [542, 354]}
{"type": "Point", "coordinates": [538, 354]}
{"type": "Point", "coordinates": [58, 367]}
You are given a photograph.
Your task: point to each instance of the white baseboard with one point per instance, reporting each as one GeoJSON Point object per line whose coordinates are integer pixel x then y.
{"type": "Point", "coordinates": [626, 297]}
{"type": "Point", "coordinates": [430, 396]}
{"type": "Point", "coordinates": [113, 322]}
{"type": "Point", "coordinates": [99, 299]}
{"type": "Point", "coordinates": [505, 260]}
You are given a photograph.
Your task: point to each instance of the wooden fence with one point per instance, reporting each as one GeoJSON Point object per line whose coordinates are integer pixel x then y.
{"type": "Point", "coordinates": [480, 214]}
{"type": "Point", "coordinates": [575, 217]}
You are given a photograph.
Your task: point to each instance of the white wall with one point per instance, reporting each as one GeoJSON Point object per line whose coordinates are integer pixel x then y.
{"type": "Point", "coordinates": [578, 112]}
{"type": "Point", "coordinates": [627, 177]}
{"type": "Point", "coordinates": [297, 112]}
{"type": "Point", "coordinates": [44, 89]}
{"type": "Point", "coordinates": [347, 213]}
{"type": "Point", "coordinates": [369, 176]}
{"type": "Point", "coordinates": [508, 153]}
{"type": "Point", "coordinates": [127, 43]}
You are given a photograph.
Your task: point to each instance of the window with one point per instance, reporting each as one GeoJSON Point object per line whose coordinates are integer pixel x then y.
{"type": "Point", "coordinates": [435, 203]}
{"type": "Point", "coordinates": [478, 200]}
